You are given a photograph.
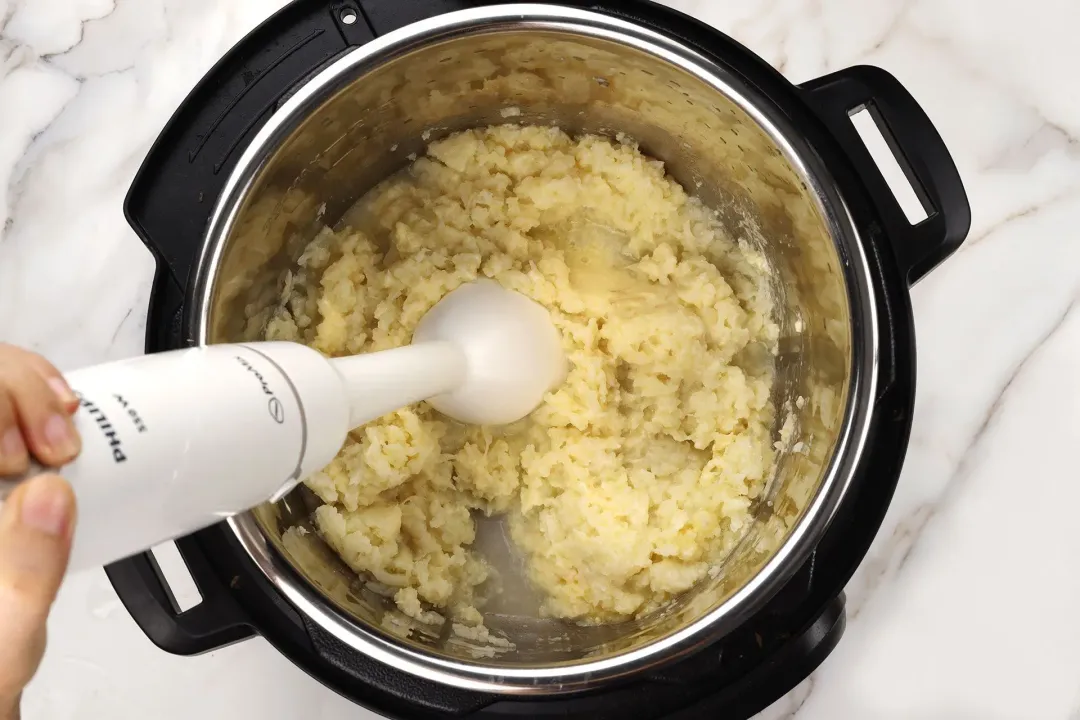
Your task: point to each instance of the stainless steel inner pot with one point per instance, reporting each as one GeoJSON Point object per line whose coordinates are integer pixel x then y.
{"type": "Point", "coordinates": [358, 121]}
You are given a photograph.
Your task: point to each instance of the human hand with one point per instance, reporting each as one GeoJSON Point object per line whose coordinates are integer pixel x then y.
{"type": "Point", "coordinates": [36, 525]}
{"type": "Point", "coordinates": [37, 520]}
{"type": "Point", "coordinates": [36, 405]}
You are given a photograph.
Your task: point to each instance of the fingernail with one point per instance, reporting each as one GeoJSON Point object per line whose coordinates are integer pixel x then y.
{"type": "Point", "coordinates": [61, 436]}
{"type": "Point", "coordinates": [11, 444]}
{"type": "Point", "coordinates": [60, 387]}
{"type": "Point", "coordinates": [47, 506]}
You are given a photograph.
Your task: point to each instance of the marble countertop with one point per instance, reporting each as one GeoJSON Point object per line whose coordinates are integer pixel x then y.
{"type": "Point", "coordinates": [967, 605]}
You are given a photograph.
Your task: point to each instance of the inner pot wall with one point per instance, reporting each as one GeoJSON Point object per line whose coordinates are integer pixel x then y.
{"type": "Point", "coordinates": [584, 81]}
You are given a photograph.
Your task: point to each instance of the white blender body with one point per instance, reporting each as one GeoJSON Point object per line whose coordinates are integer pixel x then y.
{"type": "Point", "coordinates": [177, 441]}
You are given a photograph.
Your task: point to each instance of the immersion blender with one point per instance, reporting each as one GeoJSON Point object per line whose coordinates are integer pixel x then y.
{"type": "Point", "coordinates": [176, 441]}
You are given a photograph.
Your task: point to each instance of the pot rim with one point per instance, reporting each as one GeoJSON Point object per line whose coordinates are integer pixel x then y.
{"type": "Point", "coordinates": [863, 379]}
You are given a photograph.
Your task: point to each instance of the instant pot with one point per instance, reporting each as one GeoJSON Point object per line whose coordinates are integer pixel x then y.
{"type": "Point", "coordinates": [326, 99]}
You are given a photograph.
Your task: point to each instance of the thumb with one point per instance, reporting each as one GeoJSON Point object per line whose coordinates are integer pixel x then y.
{"type": "Point", "coordinates": [36, 525]}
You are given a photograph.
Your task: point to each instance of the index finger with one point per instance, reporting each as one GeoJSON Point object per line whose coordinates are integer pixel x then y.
{"type": "Point", "coordinates": [48, 373]}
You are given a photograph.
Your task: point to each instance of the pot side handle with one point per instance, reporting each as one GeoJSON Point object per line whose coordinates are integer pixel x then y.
{"type": "Point", "coordinates": [174, 192]}
{"type": "Point", "coordinates": [920, 152]}
{"type": "Point", "coordinates": [215, 622]}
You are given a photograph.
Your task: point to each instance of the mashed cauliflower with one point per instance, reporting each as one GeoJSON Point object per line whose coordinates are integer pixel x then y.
{"type": "Point", "coordinates": [635, 475]}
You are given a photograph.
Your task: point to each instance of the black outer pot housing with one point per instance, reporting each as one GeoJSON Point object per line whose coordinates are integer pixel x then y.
{"type": "Point", "coordinates": [169, 206]}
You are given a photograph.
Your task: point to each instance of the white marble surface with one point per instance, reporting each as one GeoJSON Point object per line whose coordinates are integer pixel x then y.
{"type": "Point", "coordinates": [967, 606]}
